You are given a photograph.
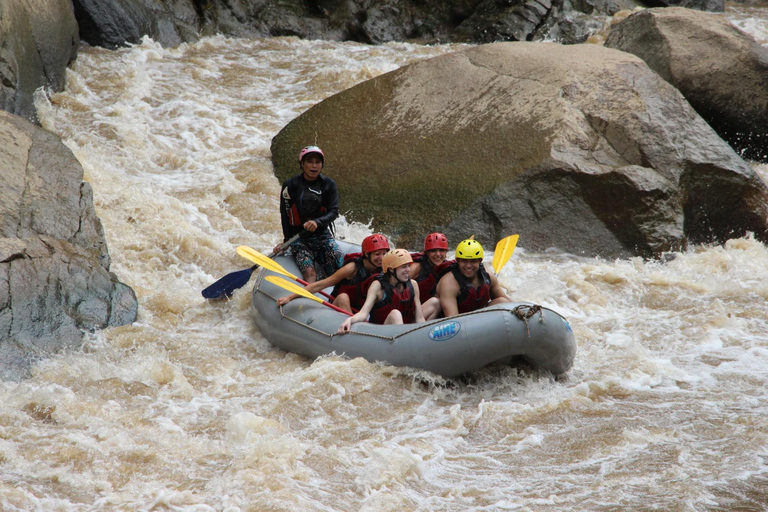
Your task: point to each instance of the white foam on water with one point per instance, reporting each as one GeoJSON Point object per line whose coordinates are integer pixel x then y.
{"type": "Point", "coordinates": [191, 408]}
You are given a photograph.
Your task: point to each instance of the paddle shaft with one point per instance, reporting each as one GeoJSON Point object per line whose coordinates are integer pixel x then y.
{"type": "Point", "coordinates": [234, 280]}
{"type": "Point", "coordinates": [268, 263]}
{"type": "Point", "coordinates": [298, 290]}
{"type": "Point", "coordinates": [282, 247]}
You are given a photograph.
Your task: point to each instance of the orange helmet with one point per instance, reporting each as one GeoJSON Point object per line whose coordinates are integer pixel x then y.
{"type": "Point", "coordinates": [394, 259]}
{"type": "Point", "coordinates": [374, 243]}
{"type": "Point", "coordinates": [435, 241]}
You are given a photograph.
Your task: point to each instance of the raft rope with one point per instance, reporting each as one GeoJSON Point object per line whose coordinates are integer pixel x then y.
{"type": "Point", "coordinates": [523, 312]}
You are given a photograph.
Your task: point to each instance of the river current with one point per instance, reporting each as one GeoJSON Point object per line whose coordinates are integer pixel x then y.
{"type": "Point", "coordinates": [191, 409]}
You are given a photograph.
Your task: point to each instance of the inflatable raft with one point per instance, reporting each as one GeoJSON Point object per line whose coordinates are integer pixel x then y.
{"type": "Point", "coordinates": [500, 334]}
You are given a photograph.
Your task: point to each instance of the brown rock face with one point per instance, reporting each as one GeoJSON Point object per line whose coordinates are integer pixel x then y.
{"type": "Point", "coordinates": [721, 71]}
{"type": "Point", "coordinates": [579, 147]}
{"type": "Point", "coordinates": [54, 264]}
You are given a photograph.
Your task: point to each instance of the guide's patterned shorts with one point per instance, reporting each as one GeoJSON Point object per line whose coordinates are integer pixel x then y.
{"type": "Point", "coordinates": [322, 251]}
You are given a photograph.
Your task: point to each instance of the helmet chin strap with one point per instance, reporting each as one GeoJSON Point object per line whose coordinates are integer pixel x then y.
{"type": "Point", "coordinates": [394, 273]}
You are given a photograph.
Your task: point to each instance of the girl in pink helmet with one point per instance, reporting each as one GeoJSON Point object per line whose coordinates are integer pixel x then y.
{"type": "Point", "coordinates": [309, 203]}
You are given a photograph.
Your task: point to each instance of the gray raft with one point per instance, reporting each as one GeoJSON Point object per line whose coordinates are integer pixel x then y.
{"type": "Point", "coordinates": [500, 334]}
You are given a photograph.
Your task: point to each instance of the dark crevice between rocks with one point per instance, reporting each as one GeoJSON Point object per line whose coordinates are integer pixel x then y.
{"type": "Point", "coordinates": [87, 25]}
{"type": "Point", "coordinates": [719, 207]}
{"type": "Point", "coordinates": [490, 218]}
{"type": "Point", "coordinates": [547, 12]}
{"type": "Point", "coordinates": [16, 256]}
{"type": "Point", "coordinates": [629, 213]}
{"type": "Point", "coordinates": [200, 7]}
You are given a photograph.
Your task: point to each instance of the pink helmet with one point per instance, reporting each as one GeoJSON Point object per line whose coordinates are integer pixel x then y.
{"type": "Point", "coordinates": [374, 243]}
{"type": "Point", "coordinates": [435, 241]}
{"type": "Point", "coordinates": [310, 150]}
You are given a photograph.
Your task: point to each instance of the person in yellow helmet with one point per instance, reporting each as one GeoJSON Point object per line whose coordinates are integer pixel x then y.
{"type": "Point", "coordinates": [393, 297]}
{"type": "Point", "coordinates": [466, 285]}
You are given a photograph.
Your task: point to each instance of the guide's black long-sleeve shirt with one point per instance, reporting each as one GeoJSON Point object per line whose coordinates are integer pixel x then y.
{"type": "Point", "coordinates": [302, 200]}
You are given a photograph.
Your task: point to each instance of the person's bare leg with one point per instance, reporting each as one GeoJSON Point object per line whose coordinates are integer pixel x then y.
{"type": "Point", "coordinates": [309, 274]}
{"type": "Point", "coordinates": [498, 300]}
{"type": "Point", "coordinates": [394, 317]}
{"type": "Point", "coordinates": [342, 301]}
{"type": "Point", "coordinates": [431, 308]}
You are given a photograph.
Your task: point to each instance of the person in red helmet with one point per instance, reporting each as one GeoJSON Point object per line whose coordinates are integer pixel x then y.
{"type": "Point", "coordinates": [425, 263]}
{"type": "Point", "coordinates": [351, 280]}
{"type": "Point", "coordinates": [392, 297]}
{"type": "Point", "coordinates": [309, 203]}
{"type": "Point", "coordinates": [465, 284]}
{"type": "Point", "coordinates": [425, 269]}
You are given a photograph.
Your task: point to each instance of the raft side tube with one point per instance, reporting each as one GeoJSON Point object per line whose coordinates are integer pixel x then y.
{"type": "Point", "coordinates": [448, 346]}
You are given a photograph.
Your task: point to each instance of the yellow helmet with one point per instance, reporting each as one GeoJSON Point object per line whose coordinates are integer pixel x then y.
{"type": "Point", "coordinates": [394, 259]}
{"type": "Point", "coordinates": [469, 249]}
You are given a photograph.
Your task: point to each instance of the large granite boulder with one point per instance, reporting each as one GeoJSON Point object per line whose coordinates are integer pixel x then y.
{"type": "Point", "coordinates": [38, 40]}
{"type": "Point", "coordinates": [722, 72]}
{"type": "Point", "coordinates": [578, 147]}
{"type": "Point", "coordinates": [54, 264]}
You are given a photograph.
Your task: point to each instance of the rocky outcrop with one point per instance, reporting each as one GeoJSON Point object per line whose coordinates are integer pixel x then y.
{"type": "Point", "coordinates": [722, 72]}
{"type": "Point", "coordinates": [38, 40]}
{"type": "Point", "coordinates": [118, 22]}
{"type": "Point", "coordinates": [54, 264]}
{"type": "Point", "coordinates": [579, 147]}
{"type": "Point", "coordinates": [170, 22]}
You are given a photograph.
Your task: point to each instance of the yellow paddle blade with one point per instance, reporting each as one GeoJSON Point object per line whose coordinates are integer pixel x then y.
{"type": "Point", "coordinates": [298, 290]}
{"type": "Point", "coordinates": [503, 252]}
{"type": "Point", "coordinates": [264, 261]}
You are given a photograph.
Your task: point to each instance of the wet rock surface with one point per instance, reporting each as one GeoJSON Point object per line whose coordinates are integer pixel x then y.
{"type": "Point", "coordinates": [55, 281]}
{"type": "Point", "coordinates": [38, 40]}
{"type": "Point", "coordinates": [722, 72]}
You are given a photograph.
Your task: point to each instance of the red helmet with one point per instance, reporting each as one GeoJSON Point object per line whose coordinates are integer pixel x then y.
{"type": "Point", "coordinates": [374, 243]}
{"type": "Point", "coordinates": [435, 241]}
{"type": "Point", "coordinates": [311, 150]}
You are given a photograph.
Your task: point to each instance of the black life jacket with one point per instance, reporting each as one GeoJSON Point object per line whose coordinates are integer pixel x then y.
{"type": "Point", "coordinates": [471, 298]}
{"type": "Point", "coordinates": [308, 206]}
{"type": "Point", "coordinates": [394, 298]}
{"type": "Point", "coordinates": [427, 277]}
{"type": "Point", "coordinates": [356, 287]}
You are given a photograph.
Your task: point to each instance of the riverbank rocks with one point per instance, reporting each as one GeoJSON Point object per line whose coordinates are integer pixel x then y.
{"type": "Point", "coordinates": [54, 263]}
{"type": "Point", "coordinates": [38, 40]}
{"type": "Point", "coordinates": [581, 147]}
{"type": "Point", "coordinates": [722, 72]}
{"type": "Point", "coordinates": [120, 22]}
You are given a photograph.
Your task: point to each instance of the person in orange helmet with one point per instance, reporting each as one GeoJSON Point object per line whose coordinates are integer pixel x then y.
{"type": "Point", "coordinates": [393, 297]}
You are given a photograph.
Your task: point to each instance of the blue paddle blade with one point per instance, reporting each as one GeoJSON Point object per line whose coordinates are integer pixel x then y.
{"type": "Point", "coordinates": [227, 285]}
